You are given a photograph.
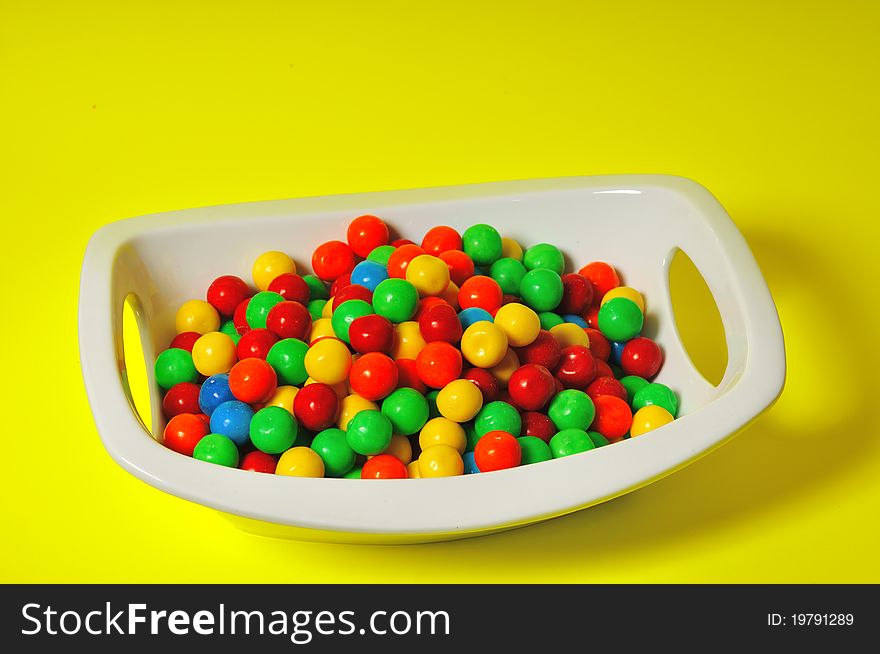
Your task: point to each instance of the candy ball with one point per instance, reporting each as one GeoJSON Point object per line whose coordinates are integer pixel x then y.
{"type": "Point", "coordinates": [268, 266]}
{"type": "Point", "coordinates": [328, 361]}
{"type": "Point", "coordinates": [228, 327]}
{"type": "Point", "coordinates": [460, 400]}
{"type": "Point", "coordinates": [317, 288]}
{"type": "Point", "coordinates": [197, 316]}
{"type": "Point", "coordinates": [332, 259]}
{"type": "Point", "coordinates": [239, 318]}
{"type": "Point", "coordinates": [400, 259]}
{"type": "Point", "coordinates": [288, 358]}
{"type": "Point", "coordinates": [350, 406]}
{"type": "Point", "coordinates": [504, 369]}
{"type": "Point", "coordinates": [655, 394]}
{"type": "Point", "coordinates": [255, 343]}
{"type": "Point", "coordinates": [232, 419]}
{"type": "Point", "coordinates": [259, 306]}
{"type": "Point", "coordinates": [348, 292]}
{"type": "Point", "coordinates": [482, 243]}
{"type": "Point", "coordinates": [498, 416]}
{"type": "Point", "coordinates": [407, 410]}
{"type": "Point", "coordinates": [401, 448]}
{"type": "Point", "coordinates": [321, 328]}
{"type": "Point", "coordinates": [641, 356]}
{"type": "Point", "coordinates": [373, 376]}
{"type": "Point", "coordinates": [599, 345]}
{"type": "Point", "coordinates": [484, 344]}
{"type": "Point", "coordinates": [602, 278]}
{"type": "Point", "coordinates": [291, 287]}
{"type": "Point", "coordinates": [371, 333]}
{"type": "Point", "coordinates": [461, 266]}
{"type": "Point", "coordinates": [519, 323]}
{"type": "Point", "coordinates": [369, 432]}
{"type": "Point", "coordinates": [216, 448]}
{"type": "Point", "coordinates": [571, 409]}
{"type": "Point", "coordinates": [570, 441]}
{"type": "Point", "coordinates": [175, 366]}
{"type": "Point", "coordinates": [534, 450]}
{"type": "Point", "coordinates": [549, 320]}
{"type": "Point", "coordinates": [485, 381]}
{"type": "Point", "coordinates": [408, 375]}
{"type": "Point", "coordinates": [613, 416]}
{"type": "Point", "coordinates": [185, 341]}
{"type": "Point", "coordinates": [470, 464]}
{"type": "Point", "coordinates": [332, 446]}
{"type": "Point", "coordinates": [396, 300]}
{"type": "Point", "coordinates": [577, 367]}
{"type": "Point", "coordinates": [345, 314]}
{"type": "Point", "coordinates": [383, 466]}
{"type": "Point", "coordinates": [438, 363]}
{"type": "Point", "coordinates": [598, 439]}
{"type": "Point", "coordinates": [577, 294]}
{"type": "Point", "coordinates": [538, 425]}
{"type": "Point", "coordinates": [511, 249]}
{"type": "Point", "coordinates": [531, 386]}
{"type": "Point", "coordinates": [570, 334]}
{"type": "Point", "coordinates": [273, 430]}
{"type": "Point", "coordinates": [214, 353]}
{"type": "Point", "coordinates": [440, 323]}
{"type": "Point", "coordinates": [369, 274]}
{"type": "Point", "coordinates": [606, 386]}
{"type": "Point", "coordinates": [649, 418]}
{"type": "Point", "coordinates": [257, 461]}
{"type": "Point", "coordinates": [508, 273]}
{"type": "Point", "coordinates": [365, 233]}
{"type": "Point", "coordinates": [214, 392]}
{"type": "Point", "coordinates": [284, 397]}
{"type": "Point", "coordinates": [428, 274]}
{"type": "Point", "coordinates": [300, 462]}
{"type": "Point", "coordinates": [381, 255]}
{"type": "Point", "coordinates": [541, 289]}
{"type": "Point", "coordinates": [632, 384]}
{"type": "Point", "coordinates": [543, 351]}
{"type": "Point", "coordinates": [183, 432]}
{"type": "Point", "coordinates": [289, 319]}
{"type": "Point", "coordinates": [252, 381]}
{"type": "Point", "coordinates": [408, 341]}
{"type": "Point", "coordinates": [481, 292]}
{"type": "Point", "coordinates": [440, 461]}
{"type": "Point", "coordinates": [468, 317]}
{"type": "Point", "coordinates": [628, 293]}
{"type": "Point", "coordinates": [497, 450]}
{"type": "Point", "coordinates": [620, 319]}
{"type": "Point", "coordinates": [316, 406]}
{"type": "Point", "coordinates": [181, 398]}
{"type": "Point", "coordinates": [442, 431]}
{"type": "Point", "coordinates": [226, 292]}
{"type": "Point", "coordinates": [441, 239]}
{"type": "Point", "coordinates": [546, 256]}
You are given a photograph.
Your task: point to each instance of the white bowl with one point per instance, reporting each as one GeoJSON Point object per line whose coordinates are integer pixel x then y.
{"type": "Point", "coordinates": [636, 222]}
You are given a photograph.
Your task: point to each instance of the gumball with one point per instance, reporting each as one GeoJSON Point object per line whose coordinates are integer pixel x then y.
{"type": "Point", "coordinates": [484, 344]}
{"type": "Point", "coordinates": [504, 369]}
{"type": "Point", "coordinates": [656, 394]}
{"type": "Point", "coordinates": [575, 319]}
{"type": "Point", "coordinates": [599, 345]}
{"type": "Point", "coordinates": [440, 461]}
{"type": "Point", "coordinates": [531, 386]}
{"type": "Point", "coordinates": [481, 292]}
{"type": "Point", "coordinates": [485, 381]}
{"type": "Point", "coordinates": [442, 431]}
{"type": "Point", "coordinates": [233, 420]}
{"type": "Point", "coordinates": [482, 243]}
{"type": "Point", "coordinates": [259, 307]}
{"type": "Point", "coordinates": [214, 353]}
{"type": "Point", "coordinates": [605, 386]}
{"type": "Point", "coordinates": [407, 410]}
{"type": "Point", "coordinates": [570, 334]}
{"type": "Point", "coordinates": [252, 381]}
{"type": "Point", "coordinates": [300, 462]}
{"type": "Point", "coordinates": [544, 350]}
{"type": "Point", "coordinates": [599, 440]}
{"type": "Point", "coordinates": [576, 367]}
{"type": "Point", "coordinates": [381, 255]}
{"type": "Point", "coordinates": [328, 361]}
{"type": "Point", "coordinates": [369, 274]}
{"type": "Point", "coordinates": [365, 233]}
{"type": "Point", "coordinates": [549, 320]}
{"type": "Point", "coordinates": [273, 430]}
{"type": "Point", "coordinates": [396, 300]}
{"type": "Point", "coordinates": [373, 376]}
{"type": "Point", "coordinates": [649, 418]}
{"type": "Point", "coordinates": [628, 293]}
{"type": "Point", "coordinates": [369, 432]}
{"type": "Point", "coordinates": [332, 259]}
{"type": "Point", "coordinates": [460, 400]}
{"type": "Point", "coordinates": [508, 273]}
{"type": "Point", "coordinates": [591, 315]}
{"type": "Point", "coordinates": [228, 327]}
{"type": "Point", "coordinates": [175, 366]}
{"type": "Point", "coordinates": [185, 341]}
{"type": "Point", "coordinates": [226, 292]}
{"type": "Point", "coordinates": [315, 406]}
{"type": "Point", "coordinates": [632, 384]}
{"type": "Point", "coordinates": [541, 289]}
{"type": "Point", "coordinates": [412, 470]}
{"type": "Point", "coordinates": [383, 466]}
{"type": "Point", "coordinates": [332, 447]}
{"type": "Point", "coordinates": [268, 266]}
{"type": "Point", "coordinates": [284, 397]}
{"type": "Point", "coordinates": [350, 406]}
{"type": "Point", "coordinates": [408, 341]}
{"type": "Point", "coordinates": [570, 441]}
{"type": "Point", "coordinates": [468, 317]}
{"type": "Point", "coordinates": [602, 278]}
{"type": "Point", "coordinates": [400, 259]}
{"type": "Point", "coordinates": [440, 323]}
{"type": "Point", "coordinates": [546, 256]}
{"type": "Point", "coordinates": [438, 363]}
{"type": "Point", "coordinates": [428, 274]}
{"type": "Point", "coordinates": [620, 319]}
{"type": "Point", "coordinates": [317, 288]}
{"type": "Point", "coordinates": [339, 283]}
{"type": "Point", "coordinates": [288, 359]}
{"type": "Point", "coordinates": [183, 432]}
{"type": "Point", "coordinates": [538, 425]}
{"type": "Point", "coordinates": [351, 292]}
{"type": "Point", "coordinates": [316, 309]}
{"type": "Point", "coordinates": [239, 318]}
{"type": "Point", "coordinates": [400, 448]}
{"type": "Point", "coordinates": [255, 343]}
{"type": "Point", "coordinates": [214, 392]}
{"type": "Point", "coordinates": [181, 398]}
{"type": "Point", "coordinates": [577, 294]}
{"type": "Point", "coordinates": [408, 375]}
{"type": "Point", "coordinates": [345, 314]}
{"type": "Point", "coordinates": [616, 351]}
{"type": "Point", "coordinates": [641, 356]}
{"type": "Point", "coordinates": [613, 417]}
{"type": "Point", "coordinates": [534, 450]}
{"type": "Point", "coordinates": [497, 416]}
{"type": "Point", "coordinates": [321, 328]}
{"type": "Point", "coordinates": [571, 409]}
{"type": "Point", "coordinates": [428, 302]}
{"type": "Point", "coordinates": [470, 465]}
{"type": "Point", "coordinates": [371, 333]}
{"type": "Point", "coordinates": [441, 239]}
{"type": "Point", "coordinates": [461, 266]}
{"type": "Point", "coordinates": [257, 461]}
{"type": "Point", "coordinates": [217, 449]}
{"type": "Point", "coordinates": [197, 316]}
{"type": "Point", "coordinates": [520, 324]}
{"type": "Point", "coordinates": [431, 396]}
{"type": "Point", "coordinates": [511, 249]}
{"type": "Point", "coordinates": [291, 287]}
{"type": "Point", "coordinates": [603, 369]}
{"type": "Point", "coordinates": [497, 450]}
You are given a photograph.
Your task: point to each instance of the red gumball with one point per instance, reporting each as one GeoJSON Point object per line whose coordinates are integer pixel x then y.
{"type": "Point", "coordinates": [486, 382]}
{"type": "Point", "coordinates": [599, 345]}
{"type": "Point", "coordinates": [591, 315]}
{"type": "Point", "coordinates": [239, 318]}
{"type": "Point", "coordinates": [577, 368]}
{"type": "Point", "coordinates": [226, 292]}
{"type": "Point", "coordinates": [372, 333]}
{"type": "Point", "coordinates": [291, 287]}
{"type": "Point", "coordinates": [185, 341]}
{"type": "Point", "coordinates": [252, 381]}
{"type": "Point", "coordinates": [426, 303]}
{"type": "Point", "coordinates": [181, 398]}
{"type": "Point", "coordinates": [577, 294]}
{"type": "Point", "coordinates": [258, 461]}
{"type": "Point", "coordinates": [497, 450]}
{"type": "Point", "coordinates": [613, 416]}
{"type": "Point", "coordinates": [289, 319]}
{"type": "Point", "coordinates": [400, 258]}
{"type": "Point", "coordinates": [531, 386]}
{"type": "Point", "coordinates": [255, 343]}
{"type": "Point", "coordinates": [366, 233]}
{"type": "Point", "coordinates": [440, 323]}
{"type": "Point", "coordinates": [505, 396]}
{"type": "Point", "coordinates": [183, 432]}
{"type": "Point", "coordinates": [461, 266]}
{"type": "Point", "coordinates": [339, 283]}
{"type": "Point", "coordinates": [373, 376]}
{"type": "Point", "coordinates": [543, 351]}
{"type": "Point", "coordinates": [332, 259]}
{"type": "Point", "coordinates": [408, 375]}
{"type": "Point", "coordinates": [438, 363]}
{"type": "Point", "coordinates": [441, 239]}
{"type": "Point", "coordinates": [603, 369]}
{"type": "Point", "coordinates": [641, 356]}
{"type": "Point", "coordinates": [480, 291]}
{"type": "Point", "coordinates": [315, 406]}
{"type": "Point", "coordinates": [401, 241]}
{"type": "Point", "coordinates": [510, 299]}
{"type": "Point", "coordinates": [605, 386]}
{"type": "Point", "coordinates": [352, 292]}
{"type": "Point", "coordinates": [602, 277]}
{"type": "Point", "coordinates": [538, 425]}
{"type": "Point", "coordinates": [383, 466]}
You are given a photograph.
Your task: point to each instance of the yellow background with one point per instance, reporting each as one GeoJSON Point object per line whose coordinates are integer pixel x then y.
{"type": "Point", "coordinates": [114, 109]}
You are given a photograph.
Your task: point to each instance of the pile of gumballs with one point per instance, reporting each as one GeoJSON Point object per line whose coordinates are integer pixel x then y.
{"type": "Point", "coordinates": [465, 354]}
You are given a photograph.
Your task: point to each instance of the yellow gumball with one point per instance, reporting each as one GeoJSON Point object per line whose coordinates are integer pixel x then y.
{"type": "Point", "coordinates": [408, 341]}
{"type": "Point", "coordinates": [511, 249]}
{"type": "Point", "coordinates": [519, 323]}
{"type": "Point", "coordinates": [429, 274]}
{"type": "Point", "coordinates": [300, 462]}
{"type": "Point", "coordinates": [197, 316]}
{"type": "Point", "coordinates": [214, 353]}
{"type": "Point", "coordinates": [628, 293]}
{"type": "Point", "coordinates": [320, 328]}
{"type": "Point", "coordinates": [568, 333]}
{"type": "Point", "coordinates": [327, 309]}
{"type": "Point", "coordinates": [649, 418]}
{"type": "Point", "coordinates": [412, 470]}
{"type": "Point", "coordinates": [283, 397]}
{"type": "Point", "coordinates": [328, 361]}
{"type": "Point", "coordinates": [451, 295]}
{"type": "Point", "coordinates": [400, 448]}
{"type": "Point", "coordinates": [484, 344]}
{"type": "Point", "coordinates": [350, 406]}
{"type": "Point", "coordinates": [341, 389]}
{"type": "Point", "coordinates": [503, 371]}
{"type": "Point", "coordinates": [440, 461]}
{"type": "Point", "coordinates": [268, 266]}
{"type": "Point", "coordinates": [460, 400]}
{"type": "Point", "coordinates": [443, 431]}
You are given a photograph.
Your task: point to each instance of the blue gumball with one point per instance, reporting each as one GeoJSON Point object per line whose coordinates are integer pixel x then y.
{"type": "Point", "coordinates": [470, 464]}
{"type": "Point", "coordinates": [214, 392]}
{"type": "Point", "coordinates": [616, 351]}
{"type": "Point", "coordinates": [469, 316]}
{"type": "Point", "coordinates": [577, 320]}
{"type": "Point", "coordinates": [233, 420]}
{"type": "Point", "coordinates": [369, 274]}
